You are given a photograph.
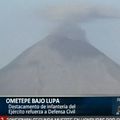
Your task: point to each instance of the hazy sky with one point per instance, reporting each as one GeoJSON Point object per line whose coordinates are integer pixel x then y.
{"type": "Point", "coordinates": [21, 25]}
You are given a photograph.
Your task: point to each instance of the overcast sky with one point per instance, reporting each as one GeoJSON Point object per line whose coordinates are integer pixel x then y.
{"type": "Point", "coordinates": [21, 25]}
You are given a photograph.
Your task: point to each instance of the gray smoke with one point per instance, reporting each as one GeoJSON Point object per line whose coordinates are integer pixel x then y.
{"type": "Point", "coordinates": [69, 17]}
{"type": "Point", "coordinates": [79, 13]}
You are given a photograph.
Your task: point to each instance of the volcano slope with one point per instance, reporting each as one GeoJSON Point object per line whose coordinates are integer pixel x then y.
{"type": "Point", "coordinates": [61, 66]}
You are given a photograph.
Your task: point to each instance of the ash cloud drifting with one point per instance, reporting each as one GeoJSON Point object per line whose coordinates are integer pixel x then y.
{"type": "Point", "coordinates": [69, 17]}
{"type": "Point", "coordinates": [79, 13]}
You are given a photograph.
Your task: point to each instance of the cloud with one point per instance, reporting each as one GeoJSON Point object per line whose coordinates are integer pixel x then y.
{"type": "Point", "coordinates": [69, 16]}
{"type": "Point", "coordinates": [79, 13]}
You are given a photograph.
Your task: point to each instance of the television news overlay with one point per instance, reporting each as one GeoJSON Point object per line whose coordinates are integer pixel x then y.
{"type": "Point", "coordinates": [59, 108]}
{"type": "Point", "coordinates": [53, 48]}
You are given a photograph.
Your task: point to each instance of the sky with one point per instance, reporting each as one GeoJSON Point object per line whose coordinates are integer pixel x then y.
{"type": "Point", "coordinates": [22, 25]}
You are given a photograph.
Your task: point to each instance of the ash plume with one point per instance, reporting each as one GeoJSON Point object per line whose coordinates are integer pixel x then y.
{"type": "Point", "coordinates": [69, 17]}
{"type": "Point", "coordinates": [79, 13]}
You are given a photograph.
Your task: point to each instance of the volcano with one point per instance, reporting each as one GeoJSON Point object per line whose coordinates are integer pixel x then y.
{"type": "Point", "coordinates": [61, 66]}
